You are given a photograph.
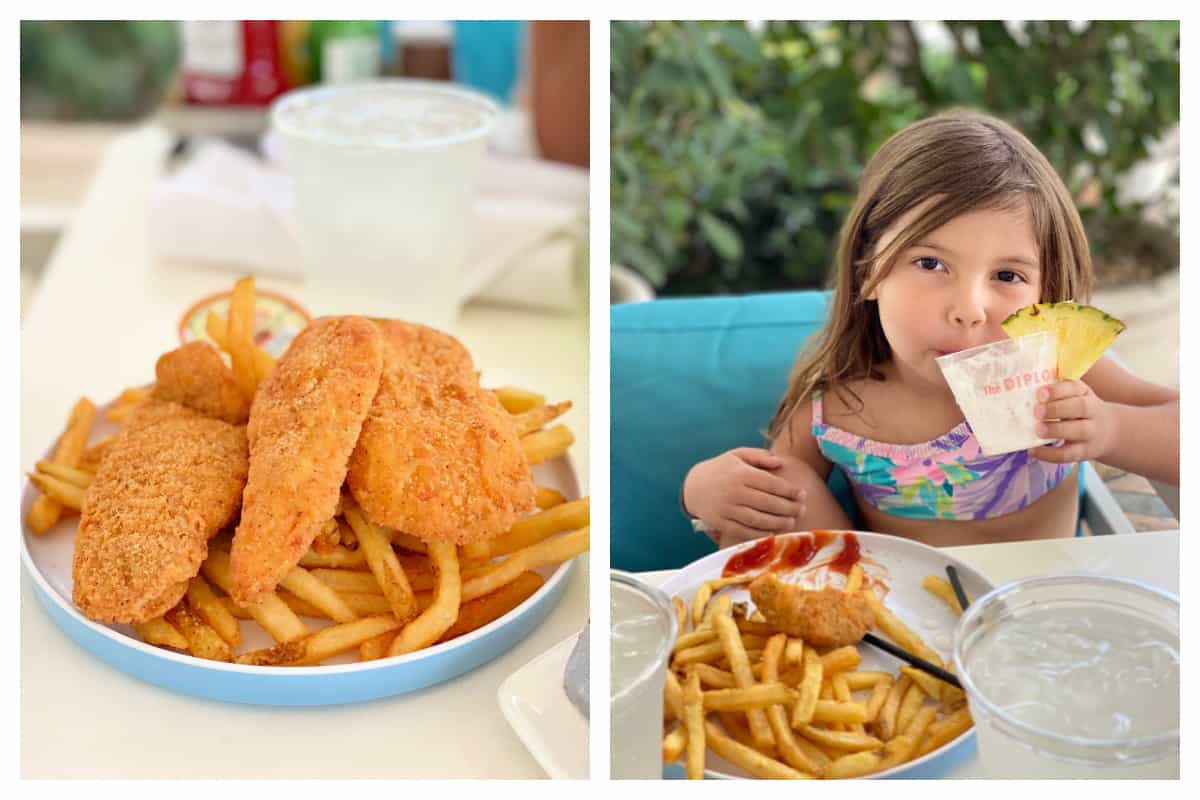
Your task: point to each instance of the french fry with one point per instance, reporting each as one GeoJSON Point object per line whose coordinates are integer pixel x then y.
{"type": "Point", "coordinates": [94, 454]}
{"type": "Point", "coordinates": [941, 589]}
{"type": "Point", "coordinates": [71, 475]}
{"type": "Point", "coordinates": [793, 652]}
{"type": "Point", "coordinates": [785, 742]}
{"type": "Point", "coordinates": [545, 497]}
{"type": "Point", "coordinates": [158, 631]}
{"type": "Point", "coordinates": [750, 627]}
{"type": "Point", "coordinates": [841, 659]}
{"type": "Point", "coordinates": [347, 580]}
{"type": "Point", "coordinates": [540, 526]}
{"type": "Point", "coordinates": [839, 711]}
{"type": "Point", "coordinates": [216, 329]}
{"type": "Point", "coordinates": [271, 612]}
{"type": "Point", "coordinates": [722, 605]}
{"type": "Point", "coordinates": [203, 641]}
{"type": "Point", "coordinates": [377, 646]}
{"type": "Point", "coordinates": [550, 551]}
{"type": "Point", "coordinates": [896, 751]}
{"type": "Point", "coordinates": [538, 417]}
{"type": "Point", "coordinates": [239, 338]}
{"type": "Point", "coordinates": [304, 585]}
{"type": "Point", "coordinates": [323, 644]}
{"type": "Point", "coordinates": [674, 743]}
{"type": "Point", "coordinates": [909, 705]}
{"type": "Point", "coordinates": [548, 444]}
{"type": "Point", "coordinates": [517, 400]}
{"type": "Point", "coordinates": [810, 689]}
{"type": "Point", "coordinates": [749, 759]}
{"type": "Point", "coordinates": [66, 495]}
{"type": "Point", "coordinates": [919, 724]}
{"type": "Point", "coordinates": [854, 765]}
{"type": "Point", "coordinates": [681, 615]}
{"type": "Point", "coordinates": [672, 697]}
{"type": "Point", "coordinates": [693, 721]}
{"type": "Point", "coordinates": [855, 579]}
{"type": "Point", "coordinates": [929, 684]}
{"type": "Point", "coordinates": [406, 541]}
{"type": "Point", "coordinates": [841, 693]}
{"type": "Point", "coordinates": [209, 607]}
{"type": "Point", "coordinates": [945, 730]}
{"type": "Point", "coordinates": [879, 695]}
{"type": "Point", "coordinates": [699, 602]}
{"type": "Point", "coordinates": [711, 676]}
{"type": "Point", "coordinates": [739, 664]}
{"type": "Point", "coordinates": [840, 740]}
{"type": "Point", "coordinates": [45, 512]}
{"type": "Point", "coordinates": [759, 695]}
{"type": "Point", "coordinates": [900, 633]}
{"type": "Point", "coordinates": [441, 614]}
{"type": "Point", "coordinates": [863, 679]}
{"type": "Point", "coordinates": [706, 653]}
{"type": "Point", "coordinates": [480, 611]}
{"type": "Point", "coordinates": [686, 641]}
{"type": "Point", "coordinates": [885, 721]}
{"type": "Point", "coordinates": [383, 562]}
{"type": "Point", "coordinates": [339, 558]}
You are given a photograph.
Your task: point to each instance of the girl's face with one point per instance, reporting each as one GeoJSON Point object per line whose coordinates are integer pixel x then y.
{"type": "Point", "coordinates": [953, 288]}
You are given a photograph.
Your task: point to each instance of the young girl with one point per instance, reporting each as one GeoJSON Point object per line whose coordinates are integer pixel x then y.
{"type": "Point", "coordinates": [959, 222]}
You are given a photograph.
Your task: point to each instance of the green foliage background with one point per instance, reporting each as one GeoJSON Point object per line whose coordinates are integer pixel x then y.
{"type": "Point", "coordinates": [95, 70]}
{"type": "Point", "coordinates": [735, 153]}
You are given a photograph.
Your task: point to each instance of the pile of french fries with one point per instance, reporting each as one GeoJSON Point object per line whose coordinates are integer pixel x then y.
{"type": "Point", "coordinates": [776, 707]}
{"type": "Point", "coordinates": [385, 592]}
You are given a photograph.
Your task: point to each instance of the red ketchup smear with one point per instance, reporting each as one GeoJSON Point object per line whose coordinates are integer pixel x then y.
{"type": "Point", "coordinates": [800, 551]}
{"type": "Point", "coordinates": [751, 558]}
{"type": "Point", "coordinates": [849, 556]}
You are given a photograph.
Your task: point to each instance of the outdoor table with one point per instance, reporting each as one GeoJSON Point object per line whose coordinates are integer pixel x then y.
{"type": "Point", "coordinates": [102, 314]}
{"type": "Point", "coordinates": [1152, 558]}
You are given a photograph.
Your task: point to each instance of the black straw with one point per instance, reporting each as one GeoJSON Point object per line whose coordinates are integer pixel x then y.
{"type": "Point", "coordinates": [916, 661]}
{"type": "Point", "coordinates": [957, 584]}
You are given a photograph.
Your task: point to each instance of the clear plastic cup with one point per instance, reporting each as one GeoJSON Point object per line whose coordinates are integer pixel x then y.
{"type": "Point", "coordinates": [996, 387]}
{"type": "Point", "coordinates": [1073, 676]}
{"type": "Point", "coordinates": [643, 630]}
{"type": "Point", "coordinates": [385, 174]}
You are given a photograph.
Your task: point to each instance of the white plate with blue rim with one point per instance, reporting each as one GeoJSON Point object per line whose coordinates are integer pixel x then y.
{"type": "Point", "coordinates": [47, 559]}
{"type": "Point", "coordinates": [889, 563]}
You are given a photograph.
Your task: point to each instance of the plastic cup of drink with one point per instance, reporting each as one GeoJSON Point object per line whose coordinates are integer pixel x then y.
{"type": "Point", "coordinates": [996, 387]}
{"type": "Point", "coordinates": [1073, 676]}
{"type": "Point", "coordinates": [643, 631]}
{"type": "Point", "coordinates": [385, 173]}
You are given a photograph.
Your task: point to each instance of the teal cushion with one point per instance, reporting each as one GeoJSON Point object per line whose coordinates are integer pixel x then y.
{"type": "Point", "coordinates": [691, 378]}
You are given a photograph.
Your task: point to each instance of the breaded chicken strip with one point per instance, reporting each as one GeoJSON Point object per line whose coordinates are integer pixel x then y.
{"type": "Point", "coordinates": [827, 617]}
{"type": "Point", "coordinates": [195, 376]}
{"type": "Point", "coordinates": [169, 481]}
{"type": "Point", "coordinates": [439, 457]}
{"type": "Point", "coordinates": [431, 351]}
{"type": "Point", "coordinates": [304, 423]}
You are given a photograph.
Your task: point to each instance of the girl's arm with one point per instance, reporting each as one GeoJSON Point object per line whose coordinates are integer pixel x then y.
{"type": "Point", "coordinates": [1115, 417]}
{"type": "Point", "coordinates": [806, 468]}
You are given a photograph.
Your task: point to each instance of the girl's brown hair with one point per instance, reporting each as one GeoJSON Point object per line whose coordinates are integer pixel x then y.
{"type": "Point", "coordinates": [959, 161]}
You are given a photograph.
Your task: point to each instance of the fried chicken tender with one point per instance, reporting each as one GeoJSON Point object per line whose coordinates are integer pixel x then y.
{"type": "Point", "coordinates": [304, 423]}
{"type": "Point", "coordinates": [195, 376]}
{"type": "Point", "coordinates": [170, 480]}
{"type": "Point", "coordinates": [439, 457]}
{"type": "Point", "coordinates": [826, 617]}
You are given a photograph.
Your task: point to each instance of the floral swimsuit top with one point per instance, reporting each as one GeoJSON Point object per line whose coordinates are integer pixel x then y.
{"type": "Point", "coordinates": [947, 478]}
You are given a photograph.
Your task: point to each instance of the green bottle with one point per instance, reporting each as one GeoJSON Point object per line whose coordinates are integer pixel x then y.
{"type": "Point", "coordinates": [344, 50]}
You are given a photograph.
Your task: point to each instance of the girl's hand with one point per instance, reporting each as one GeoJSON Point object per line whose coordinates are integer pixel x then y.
{"type": "Point", "coordinates": [1073, 413]}
{"type": "Point", "coordinates": [738, 498]}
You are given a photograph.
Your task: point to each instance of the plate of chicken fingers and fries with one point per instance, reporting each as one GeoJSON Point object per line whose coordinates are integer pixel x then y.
{"type": "Point", "coordinates": [769, 677]}
{"type": "Point", "coordinates": [357, 519]}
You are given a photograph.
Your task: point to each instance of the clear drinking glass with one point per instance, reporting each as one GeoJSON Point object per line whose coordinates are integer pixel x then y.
{"type": "Point", "coordinates": [1073, 676]}
{"type": "Point", "coordinates": [643, 630]}
{"type": "Point", "coordinates": [385, 173]}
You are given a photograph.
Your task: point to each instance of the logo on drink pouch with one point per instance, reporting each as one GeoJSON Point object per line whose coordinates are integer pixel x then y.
{"type": "Point", "coordinates": [1021, 381]}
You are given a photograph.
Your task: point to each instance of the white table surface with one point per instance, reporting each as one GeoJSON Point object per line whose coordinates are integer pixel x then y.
{"type": "Point", "coordinates": [1149, 557]}
{"type": "Point", "coordinates": [102, 314]}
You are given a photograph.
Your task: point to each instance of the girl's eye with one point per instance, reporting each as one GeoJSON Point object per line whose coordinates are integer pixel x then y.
{"type": "Point", "coordinates": [928, 263]}
{"type": "Point", "coordinates": [1008, 276]}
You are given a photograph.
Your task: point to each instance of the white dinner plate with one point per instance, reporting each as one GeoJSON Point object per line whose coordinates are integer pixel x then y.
{"type": "Point", "coordinates": [536, 706]}
{"type": "Point", "coordinates": [47, 559]}
{"type": "Point", "coordinates": [890, 561]}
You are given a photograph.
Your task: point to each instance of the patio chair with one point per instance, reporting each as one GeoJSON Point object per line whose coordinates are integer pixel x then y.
{"type": "Point", "coordinates": [693, 377]}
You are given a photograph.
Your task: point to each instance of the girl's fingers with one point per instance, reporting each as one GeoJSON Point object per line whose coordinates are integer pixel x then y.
{"type": "Point", "coordinates": [1072, 430]}
{"type": "Point", "coordinates": [770, 503]}
{"type": "Point", "coordinates": [758, 521]}
{"type": "Point", "coordinates": [772, 484]}
{"type": "Point", "coordinates": [756, 457]}
{"type": "Point", "coordinates": [1065, 454]}
{"type": "Point", "coordinates": [733, 532]}
{"type": "Point", "coordinates": [1062, 390]}
{"type": "Point", "coordinates": [1069, 408]}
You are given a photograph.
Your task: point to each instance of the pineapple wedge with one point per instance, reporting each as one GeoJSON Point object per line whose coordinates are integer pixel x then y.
{"type": "Point", "coordinates": [1083, 332]}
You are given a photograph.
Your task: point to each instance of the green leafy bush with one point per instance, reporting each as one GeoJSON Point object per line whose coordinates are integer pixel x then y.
{"type": "Point", "coordinates": [735, 152]}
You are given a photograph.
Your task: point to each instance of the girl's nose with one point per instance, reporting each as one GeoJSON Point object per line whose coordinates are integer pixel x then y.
{"type": "Point", "coordinates": [968, 310]}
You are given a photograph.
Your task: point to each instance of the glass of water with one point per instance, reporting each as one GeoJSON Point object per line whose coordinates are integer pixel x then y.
{"type": "Point", "coordinates": [385, 173]}
{"type": "Point", "coordinates": [643, 631]}
{"type": "Point", "coordinates": [1073, 676]}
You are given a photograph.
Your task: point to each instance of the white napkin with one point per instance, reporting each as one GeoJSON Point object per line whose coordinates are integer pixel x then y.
{"type": "Point", "coordinates": [224, 208]}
